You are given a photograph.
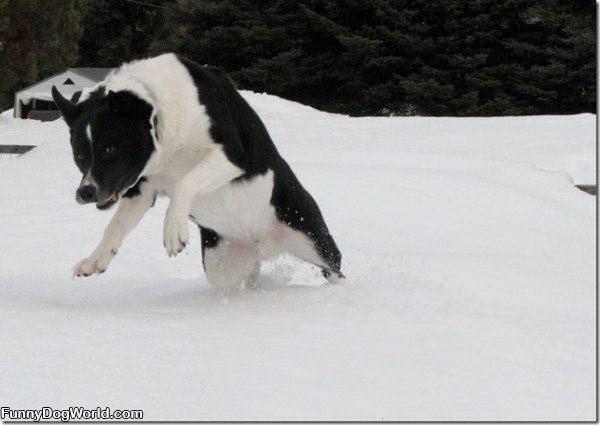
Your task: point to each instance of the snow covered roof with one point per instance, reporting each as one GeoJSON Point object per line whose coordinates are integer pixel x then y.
{"type": "Point", "coordinates": [67, 82]}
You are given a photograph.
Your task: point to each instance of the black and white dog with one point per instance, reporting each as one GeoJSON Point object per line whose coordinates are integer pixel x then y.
{"type": "Point", "coordinates": [167, 125]}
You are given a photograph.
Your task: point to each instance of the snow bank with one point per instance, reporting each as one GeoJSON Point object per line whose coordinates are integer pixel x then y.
{"type": "Point", "coordinates": [268, 106]}
{"type": "Point", "coordinates": [471, 294]}
{"type": "Point", "coordinates": [16, 131]}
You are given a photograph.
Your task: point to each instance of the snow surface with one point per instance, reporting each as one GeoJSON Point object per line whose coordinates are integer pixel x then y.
{"type": "Point", "coordinates": [471, 296]}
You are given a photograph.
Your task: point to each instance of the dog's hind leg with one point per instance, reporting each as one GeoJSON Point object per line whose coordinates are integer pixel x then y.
{"type": "Point", "coordinates": [315, 246]}
{"type": "Point", "coordinates": [328, 252]}
{"type": "Point", "coordinates": [254, 276]}
{"type": "Point", "coordinates": [307, 236]}
{"type": "Point", "coordinates": [227, 262]}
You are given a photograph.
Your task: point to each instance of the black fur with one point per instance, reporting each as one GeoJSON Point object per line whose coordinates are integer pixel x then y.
{"type": "Point", "coordinates": [122, 142]}
{"type": "Point", "coordinates": [209, 239]}
{"type": "Point", "coordinates": [134, 191]}
{"type": "Point", "coordinates": [248, 145]}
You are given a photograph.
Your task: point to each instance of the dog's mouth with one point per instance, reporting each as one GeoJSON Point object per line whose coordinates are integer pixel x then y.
{"type": "Point", "coordinates": [108, 202]}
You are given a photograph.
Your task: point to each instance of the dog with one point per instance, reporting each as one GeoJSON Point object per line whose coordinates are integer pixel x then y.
{"type": "Point", "coordinates": [168, 126]}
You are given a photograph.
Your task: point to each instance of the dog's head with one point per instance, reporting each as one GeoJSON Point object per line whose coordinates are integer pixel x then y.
{"type": "Point", "coordinates": [111, 138]}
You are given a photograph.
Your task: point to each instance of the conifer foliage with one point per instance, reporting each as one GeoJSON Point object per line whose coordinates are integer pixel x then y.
{"type": "Point", "coordinates": [37, 39]}
{"type": "Point", "coordinates": [361, 57]}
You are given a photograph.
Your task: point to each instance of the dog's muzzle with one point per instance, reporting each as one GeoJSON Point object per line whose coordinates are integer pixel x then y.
{"type": "Point", "coordinates": [87, 193]}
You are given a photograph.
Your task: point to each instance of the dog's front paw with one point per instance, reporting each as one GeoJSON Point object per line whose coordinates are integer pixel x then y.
{"type": "Point", "coordinates": [95, 264]}
{"type": "Point", "coordinates": [176, 233]}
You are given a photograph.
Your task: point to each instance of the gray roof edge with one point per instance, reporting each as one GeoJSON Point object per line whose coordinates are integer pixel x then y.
{"type": "Point", "coordinates": [102, 71]}
{"type": "Point", "coordinates": [38, 82]}
{"type": "Point", "coordinates": [91, 73]}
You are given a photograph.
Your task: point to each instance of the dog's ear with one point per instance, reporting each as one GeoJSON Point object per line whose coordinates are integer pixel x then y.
{"type": "Point", "coordinates": [128, 104]}
{"type": "Point", "coordinates": [69, 111]}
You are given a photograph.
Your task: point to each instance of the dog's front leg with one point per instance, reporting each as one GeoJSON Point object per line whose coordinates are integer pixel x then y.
{"type": "Point", "coordinates": [129, 213]}
{"type": "Point", "coordinates": [214, 171]}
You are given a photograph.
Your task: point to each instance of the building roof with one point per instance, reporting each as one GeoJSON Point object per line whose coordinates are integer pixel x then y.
{"type": "Point", "coordinates": [67, 82]}
{"type": "Point", "coordinates": [79, 78]}
{"type": "Point", "coordinates": [94, 74]}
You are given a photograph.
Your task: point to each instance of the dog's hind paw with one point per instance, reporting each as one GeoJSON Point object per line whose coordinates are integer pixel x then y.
{"type": "Point", "coordinates": [333, 277]}
{"type": "Point", "coordinates": [176, 233]}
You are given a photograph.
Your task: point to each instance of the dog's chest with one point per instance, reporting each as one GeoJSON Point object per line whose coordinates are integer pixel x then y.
{"type": "Point", "coordinates": [240, 209]}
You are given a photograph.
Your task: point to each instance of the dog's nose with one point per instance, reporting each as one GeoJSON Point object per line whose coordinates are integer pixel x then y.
{"type": "Point", "coordinates": [86, 194]}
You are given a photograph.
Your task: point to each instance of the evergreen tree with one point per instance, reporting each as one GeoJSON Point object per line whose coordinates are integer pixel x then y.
{"type": "Point", "coordinates": [361, 57]}
{"type": "Point", "coordinates": [116, 31]}
{"type": "Point", "coordinates": [36, 42]}
{"type": "Point", "coordinates": [18, 65]}
{"type": "Point", "coordinates": [448, 57]}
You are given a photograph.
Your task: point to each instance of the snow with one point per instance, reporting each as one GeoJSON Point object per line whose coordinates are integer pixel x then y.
{"type": "Point", "coordinates": [27, 132]}
{"type": "Point", "coordinates": [470, 258]}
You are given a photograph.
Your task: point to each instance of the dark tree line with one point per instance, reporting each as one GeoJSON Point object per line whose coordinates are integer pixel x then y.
{"type": "Point", "coordinates": [362, 57]}
{"type": "Point", "coordinates": [37, 39]}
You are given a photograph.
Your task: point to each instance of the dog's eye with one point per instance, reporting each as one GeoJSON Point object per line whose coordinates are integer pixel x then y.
{"type": "Point", "coordinates": [81, 157]}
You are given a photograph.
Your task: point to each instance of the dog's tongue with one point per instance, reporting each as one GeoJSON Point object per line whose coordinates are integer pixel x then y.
{"type": "Point", "coordinates": [113, 198]}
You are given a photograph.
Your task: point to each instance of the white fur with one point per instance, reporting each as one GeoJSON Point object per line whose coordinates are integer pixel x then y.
{"type": "Point", "coordinates": [182, 120]}
{"type": "Point", "coordinates": [196, 175]}
{"type": "Point", "coordinates": [88, 133]}
{"type": "Point", "coordinates": [239, 210]}
{"type": "Point", "coordinates": [235, 260]}
{"type": "Point", "coordinates": [252, 279]}
{"type": "Point", "coordinates": [242, 211]}
{"type": "Point", "coordinates": [88, 180]}
{"type": "Point", "coordinates": [229, 263]}
{"type": "Point", "coordinates": [212, 172]}
{"type": "Point", "coordinates": [128, 215]}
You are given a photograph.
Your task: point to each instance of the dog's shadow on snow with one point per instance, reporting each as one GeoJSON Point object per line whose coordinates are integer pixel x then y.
{"type": "Point", "coordinates": [276, 281]}
{"type": "Point", "coordinates": [197, 293]}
